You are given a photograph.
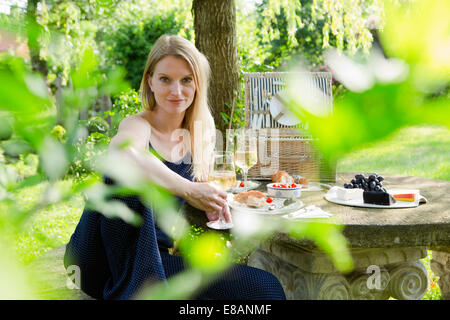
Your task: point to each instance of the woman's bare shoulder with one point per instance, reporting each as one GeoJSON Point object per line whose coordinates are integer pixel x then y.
{"type": "Point", "coordinates": [134, 127]}
{"type": "Point", "coordinates": [134, 121]}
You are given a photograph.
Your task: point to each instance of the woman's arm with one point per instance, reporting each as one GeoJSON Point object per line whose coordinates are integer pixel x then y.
{"type": "Point", "coordinates": [134, 132]}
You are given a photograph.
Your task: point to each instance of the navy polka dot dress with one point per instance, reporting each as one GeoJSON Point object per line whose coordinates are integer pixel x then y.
{"type": "Point", "coordinates": [116, 259]}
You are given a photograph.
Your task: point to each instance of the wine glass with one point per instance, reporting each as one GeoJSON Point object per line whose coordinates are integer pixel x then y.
{"type": "Point", "coordinates": [246, 155]}
{"type": "Point", "coordinates": [222, 175]}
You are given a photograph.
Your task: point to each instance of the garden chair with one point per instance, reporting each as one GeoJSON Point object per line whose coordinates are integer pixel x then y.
{"type": "Point", "coordinates": [285, 144]}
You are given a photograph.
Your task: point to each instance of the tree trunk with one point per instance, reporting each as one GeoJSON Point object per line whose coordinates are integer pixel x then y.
{"type": "Point", "coordinates": [37, 64]}
{"type": "Point", "coordinates": [215, 37]}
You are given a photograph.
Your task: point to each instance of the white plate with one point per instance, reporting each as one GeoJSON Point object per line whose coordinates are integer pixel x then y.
{"type": "Point", "coordinates": [273, 191]}
{"type": "Point", "coordinates": [276, 106]}
{"type": "Point", "coordinates": [332, 197]}
{"type": "Point", "coordinates": [250, 186]}
{"type": "Point", "coordinates": [277, 203]}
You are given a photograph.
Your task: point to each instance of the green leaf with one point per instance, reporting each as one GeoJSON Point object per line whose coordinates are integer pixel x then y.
{"type": "Point", "coordinates": [182, 285]}
{"type": "Point", "coordinates": [207, 253]}
{"type": "Point", "coordinates": [98, 196]}
{"type": "Point", "coordinates": [85, 75]}
{"type": "Point", "coordinates": [16, 97]}
{"type": "Point", "coordinates": [424, 40]}
{"type": "Point", "coordinates": [30, 181]}
{"type": "Point", "coordinates": [53, 158]}
{"type": "Point", "coordinates": [328, 238]}
{"type": "Point", "coordinates": [225, 117]}
{"type": "Point", "coordinates": [15, 147]}
{"type": "Point", "coordinates": [115, 82]}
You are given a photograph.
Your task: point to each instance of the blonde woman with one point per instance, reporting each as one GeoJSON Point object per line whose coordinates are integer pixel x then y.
{"type": "Point", "coordinates": [116, 259]}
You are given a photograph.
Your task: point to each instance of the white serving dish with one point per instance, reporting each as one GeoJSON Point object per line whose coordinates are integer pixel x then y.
{"type": "Point", "coordinates": [284, 192]}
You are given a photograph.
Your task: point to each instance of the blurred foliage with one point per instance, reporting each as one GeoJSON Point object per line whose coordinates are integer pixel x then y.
{"type": "Point", "coordinates": [121, 33]}
{"type": "Point", "coordinates": [93, 144]}
{"type": "Point", "coordinates": [31, 110]}
{"type": "Point", "coordinates": [87, 153]}
{"type": "Point", "coordinates": [128, 36]}
{"type": "Point", "coordinates": [59, 133]}
{"type": "Point", "coordinates": [251, 53]}
{"type": "Point", "coordinates": [292, 29]}
{"type": "Point", "coordinates": [386, 94]}
{"type": "Point", "coordinates": [6, 129]}
{"type": "Point", "coordinates": [96, 45]}
{"type": "Point", "coordinates": [97, 124]}
{"type": "Point", "coordinates": [125, 104]}
{"type": "Point", "coordinates": [424, 44]}
{"type": "Point", "coordinates": [281, 35]}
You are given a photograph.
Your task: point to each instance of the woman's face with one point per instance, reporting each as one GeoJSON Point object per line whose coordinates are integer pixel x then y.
{"type": "Point", "coordinates": [173, 85]}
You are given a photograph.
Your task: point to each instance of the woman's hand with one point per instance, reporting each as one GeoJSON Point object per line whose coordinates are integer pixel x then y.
{"type": "Point", "coordinates": [206, 197]}
{"type": "Point", "coordinates": [213, 216]}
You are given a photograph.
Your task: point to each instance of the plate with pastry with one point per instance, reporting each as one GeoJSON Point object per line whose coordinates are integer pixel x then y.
{"type": "Point", "coordinates": [284, 177]}
{"type": "Point", "coordinates": [258, 202]}
{"type": "Point", "coordinates": [240, 186]}
{"type": "Point", "coordinates": [281, 176]}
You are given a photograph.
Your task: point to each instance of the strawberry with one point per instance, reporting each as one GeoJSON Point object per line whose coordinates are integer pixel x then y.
{"type": "Point", "coordinates": [269, 200]}
{"type": "Point", "coordinates": [242, 184]}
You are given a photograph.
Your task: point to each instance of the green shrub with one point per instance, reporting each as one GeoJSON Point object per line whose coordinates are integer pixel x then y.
{"type": "Point", "coordinates": [100, 133]}
{"type": "Point", "coordinates": [129, 41]}
{"type": "Point", "coordinates": [87, 153]}
{"type": "Point", "coordinates": [87, 150]}
{"type": "Point", "coordinates": [97, 124]}
{"type": "Point", "coordinates": [125, 104]}
{"type": "Point", "coordinates": [59, 133]}
{"type": "Point", "coordinates": [26, 166]}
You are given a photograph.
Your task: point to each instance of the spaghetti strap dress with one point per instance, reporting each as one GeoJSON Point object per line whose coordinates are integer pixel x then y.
{"type": "Point", "coordinates": [116, 259]}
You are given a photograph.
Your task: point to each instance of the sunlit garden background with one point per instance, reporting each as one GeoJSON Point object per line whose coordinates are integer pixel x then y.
{"type": "Point", "coordinates": [70, 71]}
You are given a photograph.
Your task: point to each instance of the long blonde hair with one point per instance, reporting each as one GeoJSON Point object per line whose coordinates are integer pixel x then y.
{"type": "Point", "coordinates": [198, 120]}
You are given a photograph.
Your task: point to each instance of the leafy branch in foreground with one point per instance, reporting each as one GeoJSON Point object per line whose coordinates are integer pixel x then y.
{"type": "Point", "coordinates": [384, 94]}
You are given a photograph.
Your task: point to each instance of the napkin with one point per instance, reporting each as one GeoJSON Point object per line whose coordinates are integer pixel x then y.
{"type": "Point", "coordinates": [311, 211]}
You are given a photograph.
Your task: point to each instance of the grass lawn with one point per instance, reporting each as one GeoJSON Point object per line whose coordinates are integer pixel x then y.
{"type": "Point", "coordinates": [420, 151]}
{"type": "Point", "coordinates": [48, 228]}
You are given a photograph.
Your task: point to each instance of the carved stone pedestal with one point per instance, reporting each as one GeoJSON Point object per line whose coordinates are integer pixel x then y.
{"type": "Point", "coordinates": [440, 264]}
{"type": "Point", "coordinates": [378, 273]}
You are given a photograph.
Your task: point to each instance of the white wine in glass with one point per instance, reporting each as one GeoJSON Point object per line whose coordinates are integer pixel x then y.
{"type": "Point", "coordinates": [222, 175]}
{"type": "Point", "coordinates": [223, 180]}
{"type": "Point", "coordinates": [246, 155]}
{"type": "Point", "coordinates": [245, 159]}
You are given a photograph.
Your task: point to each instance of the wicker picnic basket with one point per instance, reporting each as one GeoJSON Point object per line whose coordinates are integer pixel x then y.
{"type": "Point", "coordinates": [282, 147]}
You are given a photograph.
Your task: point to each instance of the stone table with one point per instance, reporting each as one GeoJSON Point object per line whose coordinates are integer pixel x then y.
{"type": "Point", "coordinates": [386, 246]}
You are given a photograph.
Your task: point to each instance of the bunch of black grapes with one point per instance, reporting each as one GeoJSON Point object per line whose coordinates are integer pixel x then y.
{"type": "Point", "coordinates": [370, 183]}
